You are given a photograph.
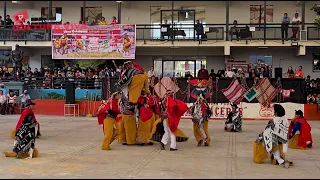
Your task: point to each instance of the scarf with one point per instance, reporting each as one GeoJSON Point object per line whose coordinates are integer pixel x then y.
{"type": "Point", "coordinates": [24, 114]}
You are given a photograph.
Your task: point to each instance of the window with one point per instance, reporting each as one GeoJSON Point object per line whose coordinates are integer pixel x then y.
{"type": "Point", "coordinates": [257, 14]}
{"type": "Point", "coordinates": [93, 14]}
{"type": "Point", "coordinates": [258, 61]}
{"type": "Point", "coordinates": [47, 62]}
{"type": "Point", "coordinates": [56, 13]}
{"type": "Point", "coordinates": [178, 68]}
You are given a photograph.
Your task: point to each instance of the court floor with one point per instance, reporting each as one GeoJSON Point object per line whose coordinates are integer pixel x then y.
{"type": "Point", "coordinates": [70, 148]}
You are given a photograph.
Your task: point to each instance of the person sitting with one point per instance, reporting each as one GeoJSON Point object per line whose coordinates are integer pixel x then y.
{"type": "Point", "coordinates": [234, 120]}
{"type": "Point", "coordinates": [25, 136]}
{"type": "Point", "coordinates": [300, 132]}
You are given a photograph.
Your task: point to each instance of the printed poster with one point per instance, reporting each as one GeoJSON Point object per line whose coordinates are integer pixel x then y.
{"type": "Point", "coordinates": [94, 42]}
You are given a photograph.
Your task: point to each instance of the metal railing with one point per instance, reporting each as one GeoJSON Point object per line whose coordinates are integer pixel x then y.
{"type": "Point", "coordinates": [179, 32]}
{"type": "Point", "coordinates": [57, 82]}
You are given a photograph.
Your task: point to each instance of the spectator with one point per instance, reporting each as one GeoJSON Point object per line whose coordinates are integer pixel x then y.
{"type": "Point", "coordinates": [167, 26]}
{"type": "Point", "coordinates": [1, 21]}
{"type": "Point", "coordinates": [252, 73]}
{"type": "Point", "coordinates": [188, 75]}
{"type": "Point", "coordinates": [198, 27]}
{"type": "Point", "coordinates": [24, 98]}
{"type": "Point", "coordinates": [295, 25]}
{"type": "Point", "coordinates": [230, 73]}
{"type": "Point", "coordinates": [11, 102]}
{"type": "Point", "coordinates": [290, 72]}
{"type": "Point", "coordinates": [263, 73]}
{"type": "Point", "coordinates": [102, 21]}
{"type": "Point", "coordinates": [151, 72]}
{"type": "Point", "coordinates": [299, 73]}
{"type": "Point", "coordinates": [212, 74]}
{"type": "Point", "coordinates": [239, 73]}
{"type": "Point", "coordinates": [235, 30]}
{"type": "Point", "coordinates": [284, 26]}
{"type": "Point", "coordinates": [3, 103]}
{"type": "Point", "coordinates": [9, 21]}
{"type": "Point", "coordinates": [114, 20]}
{"type": "Point", "coordinates": [203, 73]}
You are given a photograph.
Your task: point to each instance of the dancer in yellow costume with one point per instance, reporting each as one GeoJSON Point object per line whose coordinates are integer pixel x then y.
{"type": "Point", "coordinates": [146, 119]}
{"type": "Point", "coordinates": [107, 114]}
{"type": "Point", "coordinates": [273, 142]}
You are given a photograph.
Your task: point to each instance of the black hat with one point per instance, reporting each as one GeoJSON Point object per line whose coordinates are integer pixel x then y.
{"type": "Point", "coordinates": [299, 112]}
{"type": "Point", "coordinates": [29, 103]}
{"type": "Point", "coordinates": [234, 105]}
{"type": "Point", "coordinates": [279, 110]}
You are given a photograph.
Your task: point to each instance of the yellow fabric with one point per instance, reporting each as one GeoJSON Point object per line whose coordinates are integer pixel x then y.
{"type": "Point", "coordinates": [293, 142]}
{"type": "Point", "coordinates": [144, 130]}
{"type": "Point", "coordinates": [13, 134]}
{"type": "Point", "coordinates": [24, 155]}
{"type": "Point", "coordinates": [259, 153]}
{"type": "Point", "coordinates": [127, 44]}
{"type": "Point", "coordinates": [110, 133]}
{"type": "Point", "coordinates": [130, 128]}
{"type": "Point", "coordinates": [198, 134]}
{"type": "Point", "coordinates": [139, 82]}
{"type": "Point", "coordinates": [121, 132]}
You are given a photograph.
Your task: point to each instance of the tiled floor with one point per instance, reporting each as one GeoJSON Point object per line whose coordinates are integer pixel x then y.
{"type": "Point", "coordinates": [70, 148]}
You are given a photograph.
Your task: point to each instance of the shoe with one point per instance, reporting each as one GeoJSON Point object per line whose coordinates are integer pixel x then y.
{"type": "Point", "coordinates": [150, 143]}
{"type": "Point", "coordinates": [162, 146]}
{"type": "Point", "coordinates": [206, 144]}
{"type": "Point", "coordinates": [124, 144]}
{"type": "Point", "coordinates": [171, 149]}
{"type": "Point", "coordinates": [199, 143]}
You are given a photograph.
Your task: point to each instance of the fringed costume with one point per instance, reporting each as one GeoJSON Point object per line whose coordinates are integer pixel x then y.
{"type": "Point", "coordinates": [234, 120]}
{"type": "Point", "coordinates": [146, 119]}
{"type": "Point", "coordinates": [166, 128]}
{"type": "Point", "coordinates": [300, 132]}
{"type": "Point", "coordinates": [107, 114]}
{"type": "Point", "coordinates": [25, 137]}
{"type": "Point", "coordinates": [273, 141]}
{"type": "Point", "coordinates": [200, 112]}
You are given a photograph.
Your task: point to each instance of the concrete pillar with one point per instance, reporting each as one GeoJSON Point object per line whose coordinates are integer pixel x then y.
{"type": "Point", "coordinates": [227, 20]}
{"type": "Point", "coordinates": [119, 11]}
{"type": "Point", "coordinates": [50, 10]}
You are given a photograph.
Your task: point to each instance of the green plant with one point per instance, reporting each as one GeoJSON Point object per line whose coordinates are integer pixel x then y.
{"type": "Point", "coordinates": [55, 96]}
{"type": "Point", "coordinates": [316, 9]}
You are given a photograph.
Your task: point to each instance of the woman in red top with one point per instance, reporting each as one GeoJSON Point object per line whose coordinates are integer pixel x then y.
{"type": "Point", "coordinates": [300, 132]}
{"type": "Point", "coordinates": [299, 73]}
{"type": "Point", "coordinates": [107, 114]}
{"type": "Point", "coordinates": [114, 20]}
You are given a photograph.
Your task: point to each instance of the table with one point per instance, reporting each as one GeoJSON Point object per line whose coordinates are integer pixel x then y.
{"type": "Point", "coordinates": [75, 107]}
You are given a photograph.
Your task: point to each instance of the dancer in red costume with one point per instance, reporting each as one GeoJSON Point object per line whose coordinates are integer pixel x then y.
{"type": "Point", "coordinates": [300, 132]}
{"type": "Point", "coordinates": [107, 114]}
{"type": "Point", "coordinates": [166, 128]}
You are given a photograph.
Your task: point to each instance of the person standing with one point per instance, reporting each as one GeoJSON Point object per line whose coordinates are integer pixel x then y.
{"type": "Point", "coordinates": [203, 73]}
{"type": "Point", "coordinates": [284, 26]}
{"type": "Point", "coordinates": [299, 72]}
{"type": "Point", "coordinates": [25, 97]}
{"type": "Point", "coordinates": [3, 103]}
{"type": "Point", "coordinates": [151, 72]}
{"type": "Point", "coordinates": [296, 21]}
{"type": "Point", "coordinates": [198, 27]}
{"type": "Point", "coordinates": [11, 102]}
{"type": "Point", "coordinates": [114, 20]}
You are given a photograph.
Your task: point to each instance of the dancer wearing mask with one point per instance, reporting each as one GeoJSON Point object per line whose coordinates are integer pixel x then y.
{"type": "Point", "coordinates": [107, 114]}
{"type": "Point", "coordinates": [25, 137]}
{"type": "Point", "coordinates": [300, 132]}
{"type": "Point", "coordinates": [273, 141]}
{"type": "Point", "coordinates": [234, 120]}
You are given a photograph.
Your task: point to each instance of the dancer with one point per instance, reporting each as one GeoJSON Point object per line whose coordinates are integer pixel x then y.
{"type": "Point", "coordinates": [300, 132]}
{"type": "Point", "coordinates": [234, 120]}
{"type": "Point", "coordinates": [38, 134]}
{"type": "Point", "coordinates": [107, 114]}
{"type": "Point", "coordinates": [200, 113]}
{"type": "Point", "coordinates": [127, 127]}
{"type": "Point", "coordinates": [167, 127]}
{"type": "Point", "coordinates": [146, 119]}
{"type": "Point", "coordinates": [25, 137]}
{"type": "Point", "coordinates": [273, 141]}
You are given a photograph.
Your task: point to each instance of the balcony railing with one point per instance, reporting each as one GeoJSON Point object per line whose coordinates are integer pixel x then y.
{"type": "Point", "coordinates": [186, 32]}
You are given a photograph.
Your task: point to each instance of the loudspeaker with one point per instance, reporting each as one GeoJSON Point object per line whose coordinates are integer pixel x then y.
{"type": "Point", "coordinates": [278, 72]}
{"type": "Point", "coordinates": [70, 93]}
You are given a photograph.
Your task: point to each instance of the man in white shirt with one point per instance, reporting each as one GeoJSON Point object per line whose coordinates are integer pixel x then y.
{"type": "Point", "coordinates": [3, 103]}
{"type": "Point", "coordinates": [24, 98]}
{"type": "Point", "coordinates": [151, 72]}
{"type": "Point", "coordinates": [230, 73]}
{"type": "Point", "coordinates": [296, 21]}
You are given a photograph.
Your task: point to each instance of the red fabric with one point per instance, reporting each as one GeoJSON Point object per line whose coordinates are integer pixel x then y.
{"type": "Point", "coordinates": [141, 100]}
{"type": "Point", "coordinates": [102, 112]}
{"type": "Point", "coordinates": [199, 83]}
{"type": "Point", "coordinates": [20, 17]}
{"type": "Point", "coordinates": [305, 132]}
{"type": "Point", "coordinates": [114, 22]}
{"type": "Point", "coordinates": [137, 66]}
{"type": "Point", "coordinates": [157, 106]}
{"type": "Point", "coordinates": [145, 113]}
{"type": "Point", "coordinates": [25, 113]}
{"type": "Point", "coordinates": [203, 108]}
{"type": "Point", "coordinates": [175, 109]}
{"type": "Point", "coordinates": [203, 74]}
{"type": "Point", "coordinates": [286, 92]}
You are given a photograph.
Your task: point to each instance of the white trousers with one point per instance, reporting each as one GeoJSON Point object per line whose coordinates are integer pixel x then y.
{"type": "Point", "coordinates": [277, 156]}
{"type": "Point", "coordinates": [168, 135]}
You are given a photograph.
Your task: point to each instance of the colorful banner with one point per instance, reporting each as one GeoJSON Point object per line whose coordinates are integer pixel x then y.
{"type": "Point", "coordinates": [94, 42]}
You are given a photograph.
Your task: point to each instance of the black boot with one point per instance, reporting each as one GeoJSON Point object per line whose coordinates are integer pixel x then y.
{"type": "Point", "coordinates": [171, 149]}
{"type": "Point", "coordinates": [162, 146]}
{"type": "Point", "coordinates": [199, 143]}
